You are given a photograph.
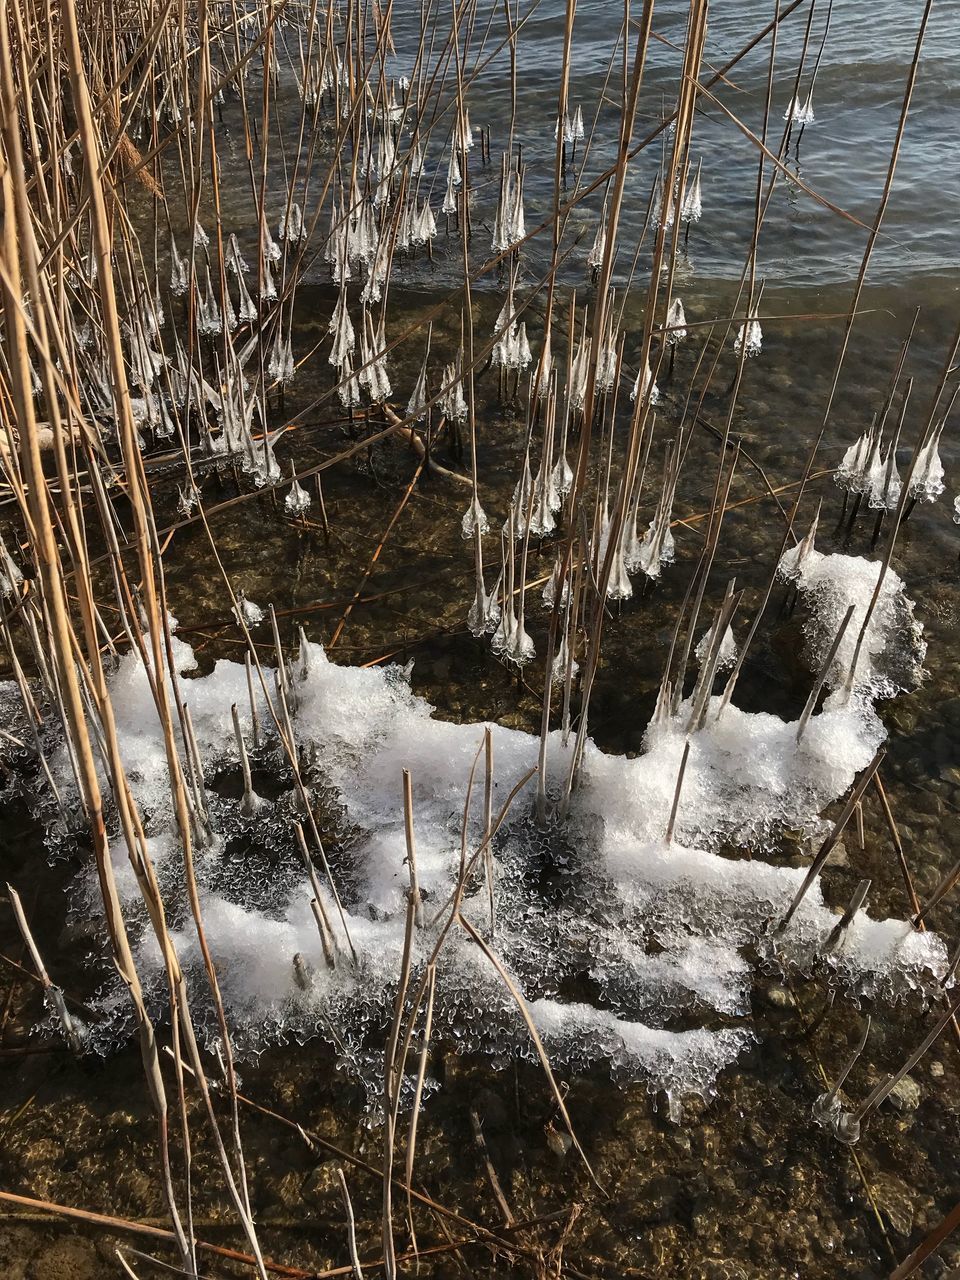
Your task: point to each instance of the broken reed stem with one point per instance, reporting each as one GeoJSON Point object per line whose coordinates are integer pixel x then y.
{"type": "Point", "coordinates": [535, 1037]}
{"type": "Point", "coordinates": [676, 792]}
{"type": "Point", "coordinates": [839, 930]}
{"type": "Point", "coordinates": [885, 1087]}
{"type": "Point", "coordinates": [316, 902]}
{"type": "Point", "coordinates": [391, 1088]}
{"type": "Point", "coordinates": [811, 703]}
{"type": "Point", "coordinates": [828, 845]}
{"type": "Point", "coordinates": [54, 994]}
{"type": "Point", "coordinates": [351, 1225]}
{"type": "Point", "coordinates": [831, 1097]}
{"type": "Point", "coordinates": [415, 897]}
{"type": "Point", "coordinates": [431, 980]}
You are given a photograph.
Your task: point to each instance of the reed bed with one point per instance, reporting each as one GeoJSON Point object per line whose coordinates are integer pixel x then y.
{"type": "Point", "coordinates": [207, 208]}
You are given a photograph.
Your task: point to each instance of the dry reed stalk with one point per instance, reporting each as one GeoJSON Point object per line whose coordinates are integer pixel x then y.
{"type": "Point", "coordinates": [830, 843]}
{"type": "Point", "coordinates": [46, 552]}
{"type": "Point", "coordinates": [53, 994]}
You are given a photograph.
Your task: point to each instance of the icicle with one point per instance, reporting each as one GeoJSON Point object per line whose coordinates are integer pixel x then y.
{"type": "Point", "coordinates": [578, 373]}
{"type": "Point", "coordinates": [405, 230]}
{"type": "Point", "coordinates": [676, 323]}
{"type": "Point", "coordinates": [453, 403]}
{"type": "Point", "coordinates": [386, 159]}
{"type": "Point", "coordinates": [417, 404]}
{"type": "Point", "coordinates": [344, 336]}
{"type": "Point", "coordinates": [883, 480]}
{"type": "Point", "coordinates": [465, 135]}
{"type": "Point", "coordinates": [499, 240]}
{"type": "Point", "coordinates": [578, 132]}
{"type": "Point", "coordinates": [524, 355]}
{"type": "Point", "coordinates": [792, 560]}
{"type": "Point", "coordinates": [619, 586]}
{"type": "Point", "coordinates": [426, 225]}
{"type": "Point", "coordinates": [549, 595]}
{"type": "Point", "coordinates": [503, 636]}
{"type": "Point", "coordinates": [546, 501]}
{"type": "Point", "coordinates": [664, 206]}
{"type": "Point", "coordinates": [453, 181]}
{"type": "Point", "coordinates": [235, 260]}
{"type": "Point", "coordinates": [484, 613]}
{"type": "Point", "coordinates": [275, 363]}
{"type": "Point", "coordinates": [266, 469]}
{"type": "Point", "coordinates": [291, 226]}
{"type": "Point", "coordinates": [474, 520]}
{"type": "Point", "coordinates": [269, 293]}
{"type": "Point", "coordinates": [520, 647]}
{"type": "Point", "coordinates": [178, 271]}
{"type": "Point", "coordinates": [562, 477]}
{"type": "Point", "coordinates": [607, 356]}
{"type": "Point", "coordinates": [852, 472]}
{"type": "Point", "coordinates": [644, 383]}
{"type": "Point", "coordinates": [561, 661]}
{"type": "Point", "coordinates": [595, 256]}
{"type": "Point", "coordinates": [750, 334]}
{"type": "Point", "coordinates": [511, 350]}
{"type": "Point", "coordinates": [516, 222]}
{"type": "Point", "coordinates": [189, 499]}
{"type": "Point", "coordinates": [727, 653]}
{"type": "Point", "coordinates": [247, 612]}
{"type": "Point", "coordinates": [349, 388]}
{"type": "Point", "coordinates": [691, 206]}
{"type": "Point", "coordinates": [926, 483]}
{"type": "Point", "coordinates": [335, 249]}
{"type": "Point", "coordinates": [248, 312]}
{"type": "Point", "coordinates": [546, 368]}
{"type": "Point", "coordinates": [297, 500]}
{"type": "Point", "coordinates": [378, 270]}
{"type": "Point", "coordinates": [522, 493]}
{"type": "Point", "coordinates": [374, 374]}
{"type": "Point", "coordinates": [656, 547]}
{"type": "Point", "coordinates": [507, 625]}
{"type": "Point", "coordinates": [209, 322]}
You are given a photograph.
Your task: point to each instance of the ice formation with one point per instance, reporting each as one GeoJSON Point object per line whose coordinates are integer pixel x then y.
{"type": "Point", "coordinates": [890, 658]}
{"type": "Point", "coordinates": [650, 929]}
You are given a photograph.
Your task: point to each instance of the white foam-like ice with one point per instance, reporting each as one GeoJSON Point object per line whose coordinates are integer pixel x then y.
{"type": "Point", "coordinates": [659, 928]}
{"type": "Point", "coordinates": [891, 656]}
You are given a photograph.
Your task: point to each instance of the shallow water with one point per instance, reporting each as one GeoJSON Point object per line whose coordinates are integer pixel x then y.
{"type": "Point", "coordinates": [744, 1186]}
{"type": "Point", "coordinates": [843, 156]}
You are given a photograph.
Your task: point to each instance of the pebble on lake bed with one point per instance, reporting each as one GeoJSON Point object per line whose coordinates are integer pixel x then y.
{"type": "Point", "coordinates": [905, 1095]}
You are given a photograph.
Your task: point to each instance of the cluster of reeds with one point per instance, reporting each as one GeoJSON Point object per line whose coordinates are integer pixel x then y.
{"type": "Point", "coordinates": [143, 319]}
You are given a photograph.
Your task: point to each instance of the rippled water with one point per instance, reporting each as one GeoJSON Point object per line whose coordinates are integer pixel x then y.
{"type": "Point", "coordinates": [844, 155]}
